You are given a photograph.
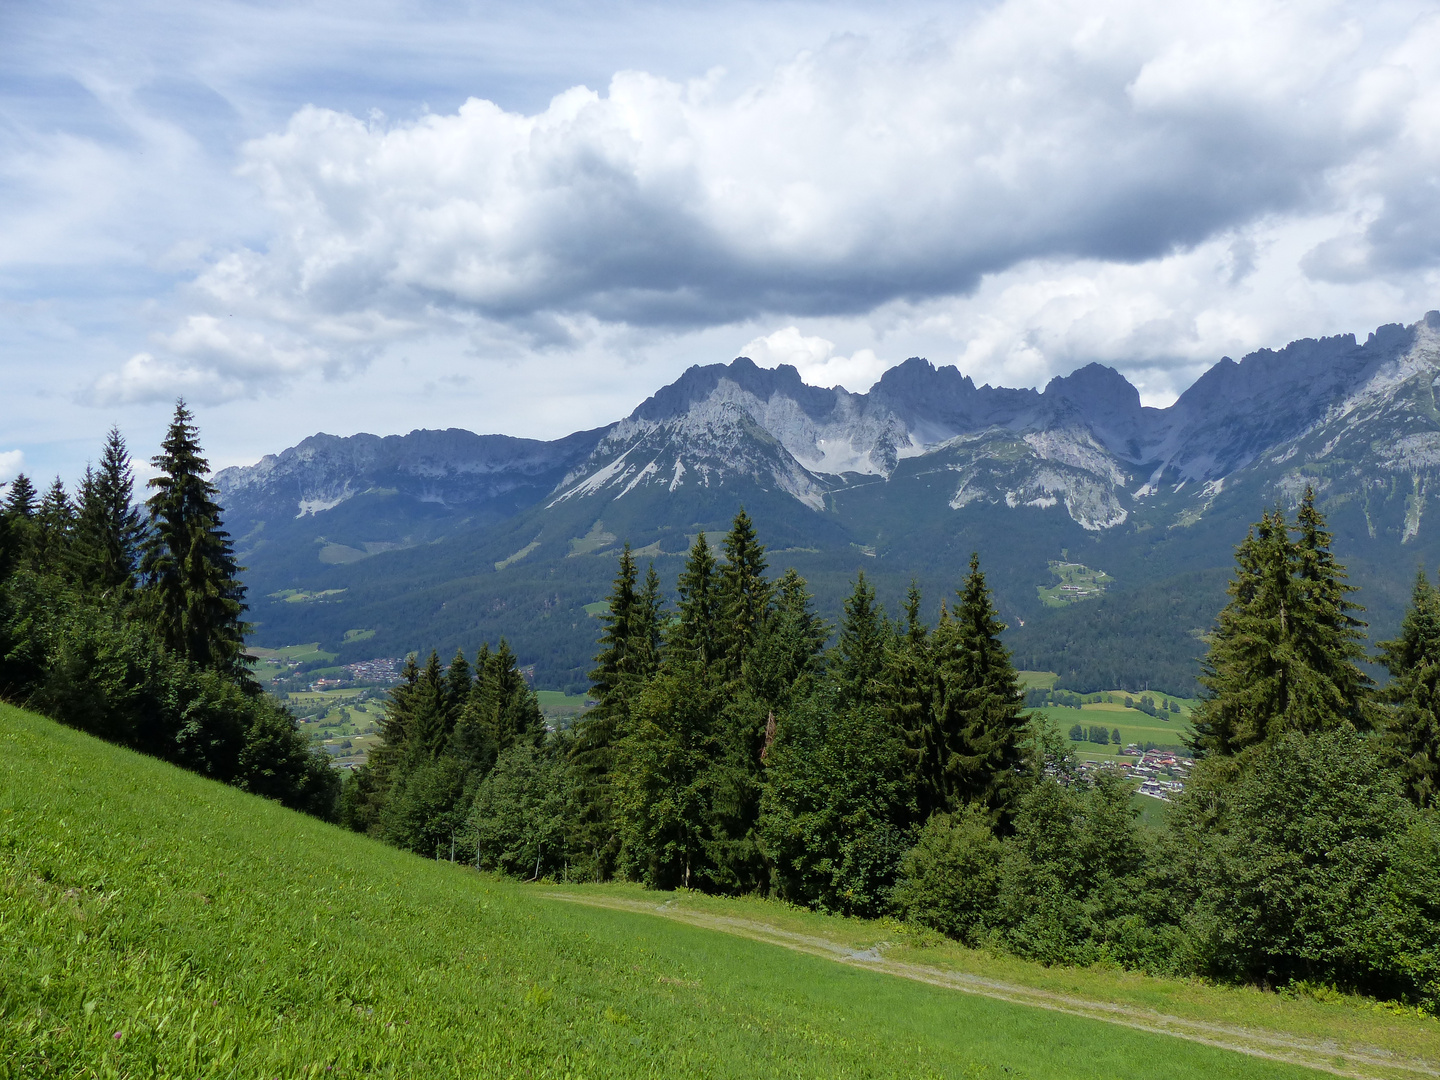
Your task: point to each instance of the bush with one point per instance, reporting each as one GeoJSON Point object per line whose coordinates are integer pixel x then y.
{"type": "Point", "coordinates": [1075, 879]}
{"type": "Point", "coordinates": [949, 880]}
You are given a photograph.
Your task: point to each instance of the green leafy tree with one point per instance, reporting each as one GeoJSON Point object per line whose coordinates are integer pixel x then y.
{"type": "Point", "coordinates": [950, 879]}
{"type": "Point", "coordinates": [664, 777]}
{"type": "Point", "coordinates": [1291, 869]}
{"type": "Point", "coordinates": [194, 596]}
{"type": "Point", "coordinates": [1412, 720]}
{"type": "Point", "coordinates": [837, 806]}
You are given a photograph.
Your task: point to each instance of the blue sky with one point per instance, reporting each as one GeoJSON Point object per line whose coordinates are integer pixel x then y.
{"type": "Point", "coordinates": [525, 218]}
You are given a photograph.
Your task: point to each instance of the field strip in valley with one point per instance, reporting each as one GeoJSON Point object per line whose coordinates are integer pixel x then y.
{"type": "Point", "coordinates": [1323, 1055]}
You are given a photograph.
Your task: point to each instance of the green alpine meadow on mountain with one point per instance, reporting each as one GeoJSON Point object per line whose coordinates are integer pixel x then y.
{"type": "Point", "coordinates": [159, 924]}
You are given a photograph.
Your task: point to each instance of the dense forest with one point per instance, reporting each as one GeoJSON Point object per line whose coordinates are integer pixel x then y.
{"type": "Point", "coordinates": [897, 773]}
{"type": "Point", "coordinates": [128, 623]}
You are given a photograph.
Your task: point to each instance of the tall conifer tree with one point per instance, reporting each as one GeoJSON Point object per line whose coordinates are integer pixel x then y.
{"type": "Point", "coordinates": [1412, 727]}
{"type": "Point", "coordinates": [1284, 654]}
{"type": "Point", "coordinates": [54, 530]}
{"type": "Point", "coordinates": [983, 768]}
{"type": "Point", "coordinates": [109, 526]}
{"type": "Point", "coordinates": [860, 652]}
{"type": "Point", "coordinates": [744, 594]}
{"type": "Point", "coordinates": [694, 638]}
{"type": "Point", "coordinates": [20, 499]}
{"type": "Point", "coordinates": [194, 597]}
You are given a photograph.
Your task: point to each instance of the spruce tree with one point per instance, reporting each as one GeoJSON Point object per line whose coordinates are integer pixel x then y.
{"type": "Point", "coordinates": [458, 684]}
{"type": "Point", "coordinates": [787, 656]}
{"type": "Point", "coordinates": [1284, 654]}
{"type": "Point", "coordinates": [984, 767]}
{"type": "Point", "coordinates": [629, 655]}
{"type": "Point", "coordinates": [20, 499]}
{"type": "Point", "coordinates": [109, 527]}
{"type": "Point", "coordinates": [909, 687]}
{"type": "Point", "coordinates": [860, 652]}
{"type": "Point", "coordinates": [608, 685]}
{"type": "Point", "coordinates": [693, 639]}
{"type": "Point", "coordinates": [54, 530]}
{"type": "Point", "coordinates": [426, 723]}
{"type": "Point", "coordinates": [16, 525]}
{"type": "Point", "coordinates": [473, 740]}
{"type": "Point", "coordinates": [1412, 722]}
{"type": "Point", "coordinates": [194, 597]}
{"type": "Point", "coordinates": [744, 594]}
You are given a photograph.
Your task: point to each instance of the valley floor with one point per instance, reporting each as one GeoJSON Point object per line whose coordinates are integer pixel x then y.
{"type": "Point", "coordinates": [158, 924]}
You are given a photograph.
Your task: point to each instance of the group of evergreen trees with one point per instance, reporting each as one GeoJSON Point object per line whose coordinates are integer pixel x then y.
{"type": "Point", "coordinates": [127, 622]}
{"type": "Point", "coordinates": [727, 749]}
{"type": "Point", "coordinates": [897, 772]}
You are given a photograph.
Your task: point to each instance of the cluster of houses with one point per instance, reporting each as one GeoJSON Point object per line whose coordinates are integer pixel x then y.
{"type": "Point", "coordinates": [381, 672]}
{"type": "Point", "coordinates": [1162, 773]}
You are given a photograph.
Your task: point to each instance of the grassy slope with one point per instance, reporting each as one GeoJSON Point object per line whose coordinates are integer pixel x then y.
{"type": "Point", "coordinates": [156, 923]}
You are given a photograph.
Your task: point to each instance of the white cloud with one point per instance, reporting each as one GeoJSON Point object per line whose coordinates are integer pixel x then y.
{"type": "Point", "coordinates": [1088, 139]}
{"type": "Point", "coordinates": [815, 359]}
{"type": "Point", "coordinates": [1018, 187]}
{"type": "Point", "coordinates": [12, 463]}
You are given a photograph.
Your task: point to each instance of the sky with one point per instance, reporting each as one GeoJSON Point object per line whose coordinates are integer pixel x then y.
{"type": "Point", "coordinates": [381, 216]}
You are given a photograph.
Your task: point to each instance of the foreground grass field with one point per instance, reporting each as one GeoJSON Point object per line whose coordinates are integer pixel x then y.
{"type": "Point", "coordinates": [157, 924]}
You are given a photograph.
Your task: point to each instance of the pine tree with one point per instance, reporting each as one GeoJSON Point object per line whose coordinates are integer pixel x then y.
{"type": "Point", "coordinates": [1412, 727]}
{"type": "Point", "coordinates": [860, 652]}
{"type": "Point", "coordinates": [1285, 651]}
{"type": "Point", "coordinates": [20, 500]}
{"type": "Point", "coordinates": [693, 639]}
{"type": "Point", "coordinates": [54, 530]}
{"type": "Point", "coordinates": [426, 723]}
{"type": "Point", "coordinates": [909, 689]}
{"type": "Point", "coordinates": [109, 527]}
{"type": "Point", "coordinates": [608, 685]}
{"type": "Point", "coordinates": [194, 597]}
{"type": "Point", "coordinates": [744, 594]}
{"type": "Point", "coordinates": [458, 684]}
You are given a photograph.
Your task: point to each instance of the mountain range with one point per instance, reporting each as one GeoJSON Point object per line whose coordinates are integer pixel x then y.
{"type": "Point", "coordinates": [378, 546]}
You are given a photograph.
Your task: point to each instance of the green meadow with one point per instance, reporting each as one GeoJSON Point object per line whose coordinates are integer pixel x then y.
{"type": "Point", "coordinates": [158, 924]}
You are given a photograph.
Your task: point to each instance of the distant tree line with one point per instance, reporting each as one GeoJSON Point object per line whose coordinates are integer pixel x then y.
{"type": "Point", "coordinates": [126, 621]}
{"type": "Point", "coordinates": [897, 772]}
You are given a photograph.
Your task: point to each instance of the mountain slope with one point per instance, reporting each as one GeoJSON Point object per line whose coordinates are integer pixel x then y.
{"type": "Point", "coordinates": [161, 924]}
{"type": "Point", "coordinates": [509, 536]}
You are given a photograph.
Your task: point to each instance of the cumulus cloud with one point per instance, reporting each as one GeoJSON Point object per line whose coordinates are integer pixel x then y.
{"type": "Point", "coordinates": [1019, 189]}
{"type": "Point", "coordinates": [12, 463]}
{"type": "Point", "coordinates": [855, 175]}
{"type": "Point", "coordinates": [815, 358]}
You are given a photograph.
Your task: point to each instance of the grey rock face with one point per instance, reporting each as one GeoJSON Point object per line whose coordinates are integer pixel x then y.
{"type": "Point", "coordinates": [1085, 442]}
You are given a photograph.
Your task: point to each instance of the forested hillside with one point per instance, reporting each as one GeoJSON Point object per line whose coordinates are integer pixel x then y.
{"type": "Point", "coordinates": [897, 772]}
{"type": "Point", "coordinates": [129, 623]}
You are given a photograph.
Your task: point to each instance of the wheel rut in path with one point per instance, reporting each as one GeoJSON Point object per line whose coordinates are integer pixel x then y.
{"type": "Point", "coordinates": [1359, 1062]}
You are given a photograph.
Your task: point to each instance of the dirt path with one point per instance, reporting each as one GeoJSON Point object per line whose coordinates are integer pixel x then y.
{"type": "Point", "coordinates": [1326, 1056]}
